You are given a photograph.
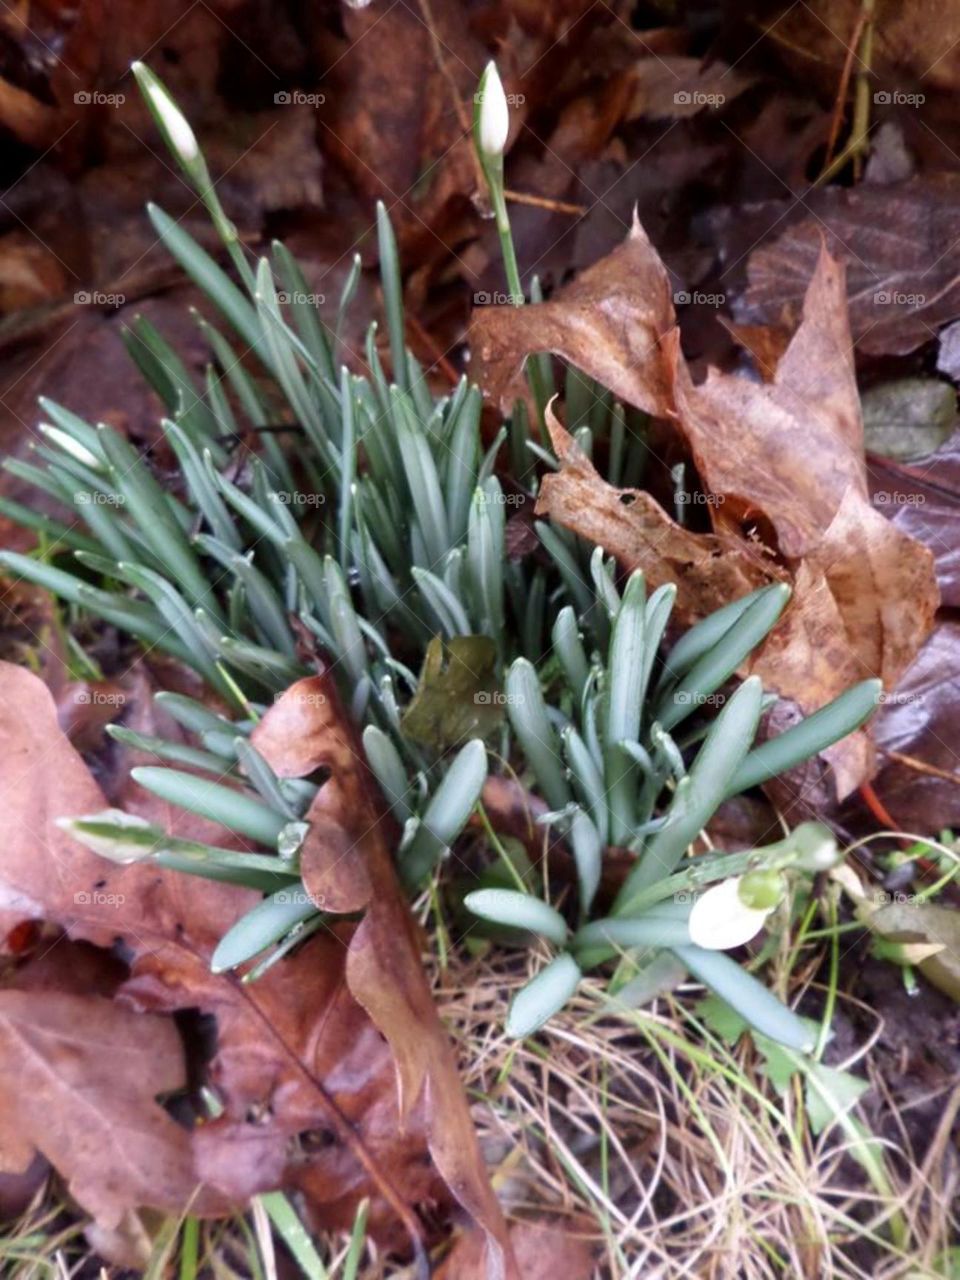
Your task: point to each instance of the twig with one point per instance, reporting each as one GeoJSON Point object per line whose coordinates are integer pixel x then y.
{"type": "Point", "coordinates": [543, 202]}
{"type": "Point", "coordinates": [844, 85]}
{"type": "Point", "coordinates": [921, 766]}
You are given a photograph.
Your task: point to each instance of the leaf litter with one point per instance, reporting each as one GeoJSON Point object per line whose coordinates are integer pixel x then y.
{"type": "Point", "coordinates": [309, 1094]}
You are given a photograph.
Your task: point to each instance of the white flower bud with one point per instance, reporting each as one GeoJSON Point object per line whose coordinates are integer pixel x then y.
{"type": "Point", "coordinates": [180, 136]}
{"type": "Point", "coordinates": [494, 123]}
{"type": "Point", "coordinates": [69, 445]}
{"type": "Point", "coordinates": [720, 919]}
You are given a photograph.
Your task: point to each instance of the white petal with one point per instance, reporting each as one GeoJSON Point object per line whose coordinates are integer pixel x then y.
{"type": "Point", "coordinates": [720, 920]}
{"type": "Point", "coordinates": [494, 113]}
{"type": "Point", "coordinates": [181, 136]}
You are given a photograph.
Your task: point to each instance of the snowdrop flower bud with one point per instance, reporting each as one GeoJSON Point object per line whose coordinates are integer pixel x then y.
{"type": "Point", "coordinates": [179, 136]}
{"type": "Point", "coordinates": [816, 847]}
{"type": "Point", "coordinates": [734, 911]}
{"type": "Point", "coordinates": [494, 116]}
{"type": "Point", "coordinates": [71, 446]}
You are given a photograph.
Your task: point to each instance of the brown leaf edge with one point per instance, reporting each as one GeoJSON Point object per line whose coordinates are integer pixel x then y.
{"type": "Point", "coordinates": [307, 729]}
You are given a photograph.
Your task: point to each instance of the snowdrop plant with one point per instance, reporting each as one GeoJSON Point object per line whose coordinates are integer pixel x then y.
{"type": "Point", "coordinates": [362, 517]}
{"type": "Point", "coordinates": [620, 760]}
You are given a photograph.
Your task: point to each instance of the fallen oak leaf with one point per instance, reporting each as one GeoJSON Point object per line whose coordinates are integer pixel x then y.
{"type": "Point", "coordinates": [295, 1054]}
{"type": "Point", "coordinates": [346, 859]}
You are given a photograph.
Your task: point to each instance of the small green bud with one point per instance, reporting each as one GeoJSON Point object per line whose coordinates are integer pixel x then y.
{"type": "Point", "coordinates": [761, 890]}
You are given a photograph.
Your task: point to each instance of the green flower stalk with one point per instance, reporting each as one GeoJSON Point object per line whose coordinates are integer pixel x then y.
{"type": "Point", "coordinates": [491, 127]}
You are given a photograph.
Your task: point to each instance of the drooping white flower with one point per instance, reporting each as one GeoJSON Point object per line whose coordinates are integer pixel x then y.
{"type": "Point", "coordinates": [721, 919]}
{"type": "Point", "coordinates": [494, 123]}
{"type": "Point", "coordinates": [179, 135]}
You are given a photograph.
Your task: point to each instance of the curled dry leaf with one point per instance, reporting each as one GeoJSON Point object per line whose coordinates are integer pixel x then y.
{"type": "Point", "coordinates": [609, 321]}
{"type": "Point", "coordinates": [543, 1252]}
{"type": "Point", "coordinates": [709, 569]}
{"type": "Point", "coordinates": [346, 863]}
{"type": "Point", "coordinates": [306, 1082]}
{"type": "Point", "coordinates": [782, 463]}
{"type": "Point", "coordinates": [792, 451]}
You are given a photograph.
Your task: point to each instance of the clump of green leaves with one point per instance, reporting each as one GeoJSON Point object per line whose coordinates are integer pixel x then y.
{"type": "Point", "coordinates": [369, 522]}
{"type": "Point", "coordinates": [618, 762]}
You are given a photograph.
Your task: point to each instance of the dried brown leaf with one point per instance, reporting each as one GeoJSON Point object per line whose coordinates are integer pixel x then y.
{"type": "Point", "coordinates": [610, 321]}
{"type": "Point", "coordinates": [346, 859]}
{"type": "Point", "coordinates": [709, 570]}
{"type": "Point", "coordinates": [901, 284]}
{"type": "Point", "coordinates": [792, 450]}
{"type": "Point", "coordinates": [783, 465]}
{"type": "Point", "coordinates": [673, 88]}
{"type": "Point", "coordinates": [306, 1083]}
{"type": "Point", "coordinates": [95, 1069]}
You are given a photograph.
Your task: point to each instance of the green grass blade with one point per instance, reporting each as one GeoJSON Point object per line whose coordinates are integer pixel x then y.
{"type": "Point", "coordinates": [719, 663]}
{"type": "Point", "coordinates": [265, 924]}
{"type": "Point", "coordinates": [750, 998]}
{"type": "Point", "coordinates": [699, 794]}
{"type": "Point", "coordinates": [538, 740]}
{"type": "Point", "coordinates": [446, 815]}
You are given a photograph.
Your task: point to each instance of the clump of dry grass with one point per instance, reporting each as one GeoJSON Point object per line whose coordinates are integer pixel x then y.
{"type": "Point", "coordinates": [675, 1156]}
{"type": "Point", "coordinates": [644, 1135]}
